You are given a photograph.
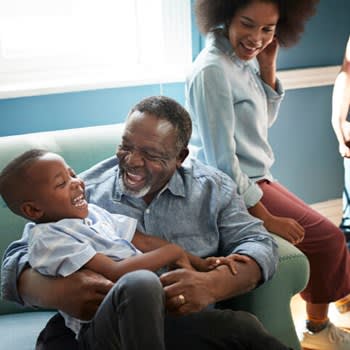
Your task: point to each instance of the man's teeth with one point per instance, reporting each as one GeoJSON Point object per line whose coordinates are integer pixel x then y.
{"type": "Point", "coordinates": [133, 178]}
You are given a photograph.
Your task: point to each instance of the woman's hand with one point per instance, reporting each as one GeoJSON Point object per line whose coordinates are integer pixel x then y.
{"type": "Point", "coordinates": [267, 58]}
{"type": "Point", "coordinates": [267, 62]}
{"type": "Point", "coordinates": [284, 227]}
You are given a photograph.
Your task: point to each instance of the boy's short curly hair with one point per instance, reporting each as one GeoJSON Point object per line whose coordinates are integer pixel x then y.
{"type": "Point", "coordinates": [293, 15]}
{"type": "Point", "coordinates": [13, 178]}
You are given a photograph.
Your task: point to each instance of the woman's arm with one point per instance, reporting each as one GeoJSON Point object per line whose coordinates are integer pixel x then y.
{"type": "Point", "coordinates": [287, 228]}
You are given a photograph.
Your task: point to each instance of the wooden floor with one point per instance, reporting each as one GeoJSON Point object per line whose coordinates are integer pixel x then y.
{"type": "Point", "coordinates": [331, 209]}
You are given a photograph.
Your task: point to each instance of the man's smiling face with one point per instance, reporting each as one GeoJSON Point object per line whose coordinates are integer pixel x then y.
{"type": "Point", "coordinates": [147, 155]}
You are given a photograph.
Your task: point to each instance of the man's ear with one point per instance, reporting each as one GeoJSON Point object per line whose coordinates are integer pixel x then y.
{"type": "Point", "coordinates": [182, 156]}
{"type": "Point", "coordinates": [31, 211]}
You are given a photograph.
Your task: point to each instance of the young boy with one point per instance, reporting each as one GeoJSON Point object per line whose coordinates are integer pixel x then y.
{"type": "Point", "coordinates": [67, 233]}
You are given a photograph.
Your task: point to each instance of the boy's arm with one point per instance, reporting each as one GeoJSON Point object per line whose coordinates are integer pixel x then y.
{"type": "Point", "coordinates": [151, 260]}
{"type": "Point", "coordinates": [146, 243]}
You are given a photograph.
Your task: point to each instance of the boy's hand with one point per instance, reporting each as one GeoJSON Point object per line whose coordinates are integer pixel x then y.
{"type": "Point", "coordinates": [182, 262]}
{"type": "Point", "coordinates": [230, 261]}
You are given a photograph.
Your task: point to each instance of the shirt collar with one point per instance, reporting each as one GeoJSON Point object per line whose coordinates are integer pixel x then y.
{"type": "Point", "coordinates": [217, 39]}
{"type": "Point", "coordinates": [175, 185]}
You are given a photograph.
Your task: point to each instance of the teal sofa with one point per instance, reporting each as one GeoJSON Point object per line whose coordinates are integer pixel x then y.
{"type": "Point", "coordinates": [19, 326]}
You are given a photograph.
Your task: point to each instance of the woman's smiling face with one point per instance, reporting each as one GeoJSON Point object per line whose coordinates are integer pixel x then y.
{"type": "Point", "coordinates": [253, 28]}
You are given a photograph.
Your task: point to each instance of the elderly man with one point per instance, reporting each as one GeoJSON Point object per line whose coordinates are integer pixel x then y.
{"type": "Point", "coordinates": [187, 203]}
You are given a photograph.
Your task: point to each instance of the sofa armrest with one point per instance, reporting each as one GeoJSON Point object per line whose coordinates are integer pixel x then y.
{"type": "Point", "coordinates": [271, 301]}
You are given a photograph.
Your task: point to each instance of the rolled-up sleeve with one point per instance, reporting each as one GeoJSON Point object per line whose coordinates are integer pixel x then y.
{"type": "Point", "coordinates": [243, 234]}
{"type": "Point", "coordinates": [15, 260]}
{"type": "Point", "coordinates": [54, 252]}
{"type": "Point", "coordinates": [274, 99]}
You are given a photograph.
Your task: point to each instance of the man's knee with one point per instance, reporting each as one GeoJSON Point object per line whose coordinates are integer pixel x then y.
{"type": "Point", "coordinates": [138, 284]}
{"type": "Point", "coordinates": [240, 320]}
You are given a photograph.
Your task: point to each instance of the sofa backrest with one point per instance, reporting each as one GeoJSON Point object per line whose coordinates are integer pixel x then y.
{"type": "Point", "coordinates": [81, 149]}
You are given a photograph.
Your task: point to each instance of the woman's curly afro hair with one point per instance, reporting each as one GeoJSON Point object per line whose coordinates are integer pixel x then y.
{"type": "Point", "coordinates": [293, 14]}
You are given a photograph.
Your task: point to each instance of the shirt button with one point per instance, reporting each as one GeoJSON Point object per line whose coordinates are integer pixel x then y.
{"type": "Point", "coordinates": [147, 211]}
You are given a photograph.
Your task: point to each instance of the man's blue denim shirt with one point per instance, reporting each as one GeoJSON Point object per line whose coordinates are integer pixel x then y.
{"type": "Point", "coordinates": [199, 209]}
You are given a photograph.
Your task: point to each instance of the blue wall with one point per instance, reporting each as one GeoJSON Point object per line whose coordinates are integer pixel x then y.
{"type": "Point", "coordinates": [307, 161]}
{"type": "Point", "coordinates": [77, 109]}
{"type": "Point", "coordinates": [306, 150]}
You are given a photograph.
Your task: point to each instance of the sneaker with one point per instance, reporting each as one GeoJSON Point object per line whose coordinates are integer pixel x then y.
{"type": "Point", "coordinates": [330, 338]}
{"type": "Point", "coordinates": [343, 305]}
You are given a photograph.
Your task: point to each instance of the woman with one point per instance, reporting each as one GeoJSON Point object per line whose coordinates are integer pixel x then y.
{"type": "Point", "coordinates": [233, 96]}
{"type": "Point", "coordinates": [341, 127]}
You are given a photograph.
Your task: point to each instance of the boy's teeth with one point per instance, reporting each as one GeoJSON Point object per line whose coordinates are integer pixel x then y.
{"type": "Point", "coordinates": [79, 201]}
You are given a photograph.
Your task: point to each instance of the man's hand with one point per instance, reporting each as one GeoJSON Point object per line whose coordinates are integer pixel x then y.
{"type": "Point", "coordinates": [191, 285]}
{"type": "Point", "coordinates": [79, 294]}
{"type": "Point", "coordinates": [190, 291]}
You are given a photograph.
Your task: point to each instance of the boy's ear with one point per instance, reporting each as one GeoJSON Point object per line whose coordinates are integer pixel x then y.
{"type": "Point", "coordinates": [31, 211]}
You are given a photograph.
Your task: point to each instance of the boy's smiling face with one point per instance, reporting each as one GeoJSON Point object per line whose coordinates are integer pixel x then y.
{"type": "Point", "coordinates": [56, 193]}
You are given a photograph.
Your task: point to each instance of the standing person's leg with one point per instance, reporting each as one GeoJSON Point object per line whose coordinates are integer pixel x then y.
{"type": "Point", "coordinates": [345, 222]}
{"type": "Point", "coordinates": [329, 259]}
{"type": "Point", "coordinates": [130, 317]}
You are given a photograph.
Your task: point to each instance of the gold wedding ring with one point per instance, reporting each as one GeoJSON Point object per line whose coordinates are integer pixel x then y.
{"type": "Point", "coordinates": [182, 299]}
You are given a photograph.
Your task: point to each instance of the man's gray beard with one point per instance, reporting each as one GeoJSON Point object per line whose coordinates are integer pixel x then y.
{"type": "Point", "coordinates": [136, 194]}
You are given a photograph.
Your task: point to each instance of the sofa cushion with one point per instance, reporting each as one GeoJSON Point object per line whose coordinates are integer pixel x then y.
{"type": "Point", "coordinates": [20, 331]}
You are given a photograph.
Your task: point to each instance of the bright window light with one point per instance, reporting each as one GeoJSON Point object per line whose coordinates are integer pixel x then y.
{"type": "Point", "coordinates": [77, 44]}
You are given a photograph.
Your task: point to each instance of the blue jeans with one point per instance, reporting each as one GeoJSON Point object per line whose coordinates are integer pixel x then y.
{"type": "Point", "coordinates": [132, 317]}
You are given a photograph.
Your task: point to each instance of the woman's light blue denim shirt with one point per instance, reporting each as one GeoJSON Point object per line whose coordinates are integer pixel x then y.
{"type": "Point", "coordinates": [232, 109]}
